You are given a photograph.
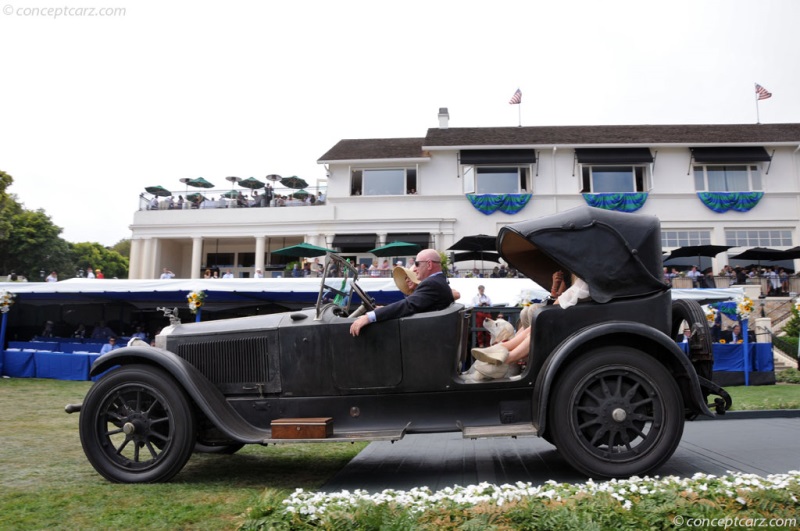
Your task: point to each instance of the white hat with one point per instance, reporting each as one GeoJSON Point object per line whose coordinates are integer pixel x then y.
{"type": "Point", "coordinates": [400, 274]}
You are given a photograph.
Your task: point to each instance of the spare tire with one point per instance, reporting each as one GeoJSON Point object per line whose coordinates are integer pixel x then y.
{"type": "Point", "coordinates": [701, 350]}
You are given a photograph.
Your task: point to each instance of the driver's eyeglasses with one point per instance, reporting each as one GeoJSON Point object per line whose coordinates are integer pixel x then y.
{"type": "Point", "coordinates": [418, 262]}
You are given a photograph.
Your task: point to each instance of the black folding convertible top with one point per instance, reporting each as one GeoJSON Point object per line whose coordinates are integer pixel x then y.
{"type": "Point", "coordinates": [618, 254]}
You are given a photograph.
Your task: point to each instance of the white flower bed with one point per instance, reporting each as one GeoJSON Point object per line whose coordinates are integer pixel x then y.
{"type": "Point", "coordinates": [310, 504]}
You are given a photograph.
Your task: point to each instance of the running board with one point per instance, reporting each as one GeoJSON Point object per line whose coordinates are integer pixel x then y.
{"type": "Point", "coordinates": [352, 436]}
{"type": "Point", "coordinates": [502, 430]}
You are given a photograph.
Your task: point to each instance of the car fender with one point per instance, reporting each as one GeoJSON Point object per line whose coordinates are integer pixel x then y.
{"type": "Point", "coordinates": [645, 338]}
{"type": "Point", "coordinates": [205, 395]}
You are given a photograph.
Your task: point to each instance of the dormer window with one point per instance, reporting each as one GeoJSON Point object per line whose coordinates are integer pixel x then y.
{"type": "Point", "coordinates": [497, 171]}
{"type": "Point", "coordinates": [728, 169]}
{"type": "Point", "coordinates": [383, 181]}
{"type": "Point", "coordinates": [614, 170]}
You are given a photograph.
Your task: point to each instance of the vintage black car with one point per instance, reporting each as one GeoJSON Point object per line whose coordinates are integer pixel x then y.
{"type": "Point", "coordinates": [604, 382]}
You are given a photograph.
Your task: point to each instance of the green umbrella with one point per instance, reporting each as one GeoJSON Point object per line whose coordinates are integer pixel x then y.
{"type": "Point", "coordinates": [160, 191]}
{"type": "Point", "coordinates": [196, 196]}
{"type": "Point", "coordinates": [397, 249]}
{"type": "Point", "coordinates": [300, 194]}
{"type": "Point", "coordinates": [294, 182]}
{"type": "Point", "coordinates": [233, 194]}
{"type": "Point", "coordinates": [303, 250]}
{"type": "Point", "coordinates": [200, 183]}
{"type": "Point", "coordinates": [252, 183]}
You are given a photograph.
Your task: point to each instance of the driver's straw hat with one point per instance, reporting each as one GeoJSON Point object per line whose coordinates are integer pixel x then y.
{"type": "Point", "coordinates": [400, 273]}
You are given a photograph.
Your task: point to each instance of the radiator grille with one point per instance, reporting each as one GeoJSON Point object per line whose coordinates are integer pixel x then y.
{"type": "Point", "coordinates": [230, 360]}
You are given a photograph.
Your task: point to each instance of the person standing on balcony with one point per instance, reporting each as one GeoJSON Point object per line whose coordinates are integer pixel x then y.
{"type": "Point", "coordinates": [268, 195]}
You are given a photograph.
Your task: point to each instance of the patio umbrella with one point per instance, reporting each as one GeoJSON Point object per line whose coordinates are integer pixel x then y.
{"type": "Point", "coordinates": [478, 242]}
{"type": "Point", "coordinates": [489, 256]}
{"type": "Point", "coordinates": [195, 197]}
{"type": "Point", "coordinates": [233, 194]}
{"type": "Point", "coordinates": [793, 253]}
{"type": "Point", "coordinates": [300, 194]}
{"type": "Point", "coordinates": [690, 251]}
{"type": "Point", "coordinates": [762, 254]}
{"type": "Point", "coordinates": [294, 182]}
{"type": "Point", "coordinates": [303, 250]}
{"type": "Point", "coordinates": [251, 183]}
{"type": "Point", "coordinates": [160, 191]}
{"type": "Point", "coordinates": [396, 249]}
{"type": "Point", "coordinates": [200, 183]}
{"type": "Point", "coordinates": [274, 177]}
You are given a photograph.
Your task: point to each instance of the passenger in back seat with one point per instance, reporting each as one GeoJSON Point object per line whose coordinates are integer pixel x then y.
{"type": "Point", "coordinates": [518, 347]}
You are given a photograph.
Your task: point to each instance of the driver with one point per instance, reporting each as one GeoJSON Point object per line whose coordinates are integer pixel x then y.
{"type": "Point", "coordinates": [433, 293]}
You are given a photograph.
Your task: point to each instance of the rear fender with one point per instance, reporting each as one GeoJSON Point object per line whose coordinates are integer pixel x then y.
{"type": "Point", "coordinates": [205, 395]}
{"type": "Point", "coordinates": [645, 338]}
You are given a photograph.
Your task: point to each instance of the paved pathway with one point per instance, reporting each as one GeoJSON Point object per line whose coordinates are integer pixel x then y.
{"type": "Point", "coordinates": [739, 443]}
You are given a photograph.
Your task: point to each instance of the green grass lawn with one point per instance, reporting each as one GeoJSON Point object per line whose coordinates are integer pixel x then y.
{"type": "Point", "coordinates": [47, 483]}
{"type": "Point", "coordinates": [780, 396]}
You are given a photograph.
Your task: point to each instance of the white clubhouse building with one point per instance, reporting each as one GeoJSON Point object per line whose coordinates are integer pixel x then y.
{"type": "Point", "coordinates": [732, 184]}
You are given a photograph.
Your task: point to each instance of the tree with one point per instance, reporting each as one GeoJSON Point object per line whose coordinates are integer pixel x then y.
{"type": "Point", "coordinates": [123, 247]}
{"type": "Point", "coordinates": [32, 244]}
{"type": "Point", "coordinates": [94, 255]}
{"type": "Point", "coordinates": [5, 226]}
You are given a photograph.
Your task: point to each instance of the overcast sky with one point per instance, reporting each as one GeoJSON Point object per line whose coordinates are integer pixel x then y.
{"type": "Point", "coordinates": [95, 108]}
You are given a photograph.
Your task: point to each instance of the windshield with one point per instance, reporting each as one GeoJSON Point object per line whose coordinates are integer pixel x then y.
{"type": "Point", "coordinates": [337, 283]}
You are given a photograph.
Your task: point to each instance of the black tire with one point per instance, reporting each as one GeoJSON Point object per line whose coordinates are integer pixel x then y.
{"type": "Point", "coordinates": [137, 426]}
{"type": "Point", "coordinates": [616, 412]}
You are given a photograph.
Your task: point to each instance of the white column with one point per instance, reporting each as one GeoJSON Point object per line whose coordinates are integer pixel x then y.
{"type": "Point", "coordinates": [149, 255]}
{"type": "Point", "coordinates": [197, 256]}
{"type": "Point", "coordinates": [381, 239]}
{"type": "Point", "coordinates": [135, 261]}
{"type": "Point", "coordinates": [261, 242]}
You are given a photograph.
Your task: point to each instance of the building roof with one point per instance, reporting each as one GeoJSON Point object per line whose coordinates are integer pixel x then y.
{"type": "Point", "coordinates": [569, 135]}
{"type": "Point", "coordinates": [614, 134]}
{"type": "Point", "coordinates": [375, 148]}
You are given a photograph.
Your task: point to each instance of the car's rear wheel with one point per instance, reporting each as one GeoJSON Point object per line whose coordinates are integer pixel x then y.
{"type": "Point", "coordinates": [137, 425]}
{"type": "Point", "coordinates": [616, 412]}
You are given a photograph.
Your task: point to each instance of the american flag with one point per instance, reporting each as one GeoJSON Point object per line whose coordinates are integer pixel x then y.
{"type": "Point", "coordinates": [517, 98]}
{"type": "Point", "coordinates": [762, 92]}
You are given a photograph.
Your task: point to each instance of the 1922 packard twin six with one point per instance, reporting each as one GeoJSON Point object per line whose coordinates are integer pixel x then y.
{"type": "Point", "coordinates": [604, 382]}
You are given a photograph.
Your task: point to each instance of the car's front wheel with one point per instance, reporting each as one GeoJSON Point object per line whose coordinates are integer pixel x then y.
{"type": "Point", "coordinates": [616, 412]}
{"type": "Point", "coordinates": [137, 425]}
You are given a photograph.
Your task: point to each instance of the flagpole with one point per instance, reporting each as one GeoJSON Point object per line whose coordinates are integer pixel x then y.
{"type": "Point", "coordinates": [758, 117]}
{"type": "Point", "coordinates": [519, 112]}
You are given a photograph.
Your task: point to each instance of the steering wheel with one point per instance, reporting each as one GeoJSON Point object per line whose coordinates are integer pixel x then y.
{"type": "Point", "coordinates": [366, 300]}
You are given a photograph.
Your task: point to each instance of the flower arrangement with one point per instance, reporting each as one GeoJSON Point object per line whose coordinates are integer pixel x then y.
{"type": "Point", "coordinates": [631, 501]}
{"type": "Point", "coordinates": [196, 299]}
{"type": "Point", "coordinates": [6, 300]}
{"type": "Point", "coordinates": [744, 307]}
{"type": "Point", "coordinates": [711, 315]}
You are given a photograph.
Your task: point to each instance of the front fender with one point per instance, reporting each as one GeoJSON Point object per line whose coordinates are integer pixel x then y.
{"type": "Point", "coordinates": [208, 398]}
{"type": "Point", "coordinates": [643, 337]}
